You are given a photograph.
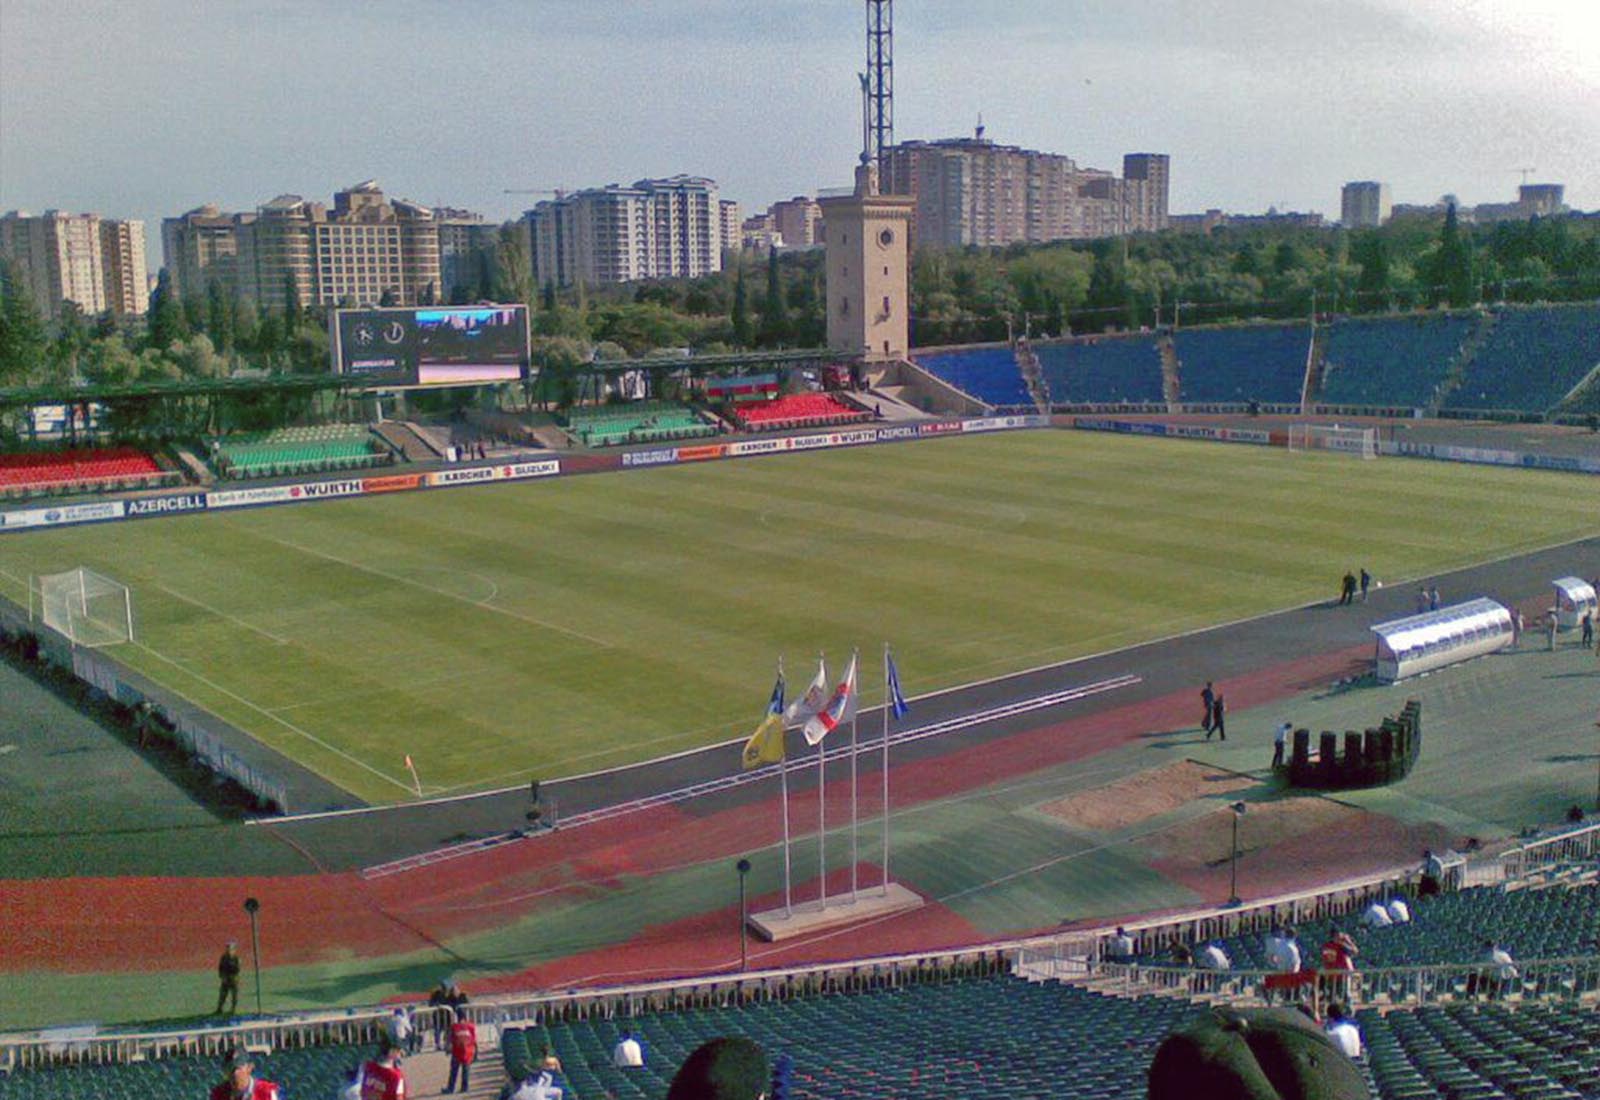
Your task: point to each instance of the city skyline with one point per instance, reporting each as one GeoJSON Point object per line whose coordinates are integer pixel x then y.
{"type": "Point", "coordinates": [106, 109]}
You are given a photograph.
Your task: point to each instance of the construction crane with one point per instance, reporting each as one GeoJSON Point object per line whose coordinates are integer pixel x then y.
{"type": "Point", "coordinates": [1526, 172]}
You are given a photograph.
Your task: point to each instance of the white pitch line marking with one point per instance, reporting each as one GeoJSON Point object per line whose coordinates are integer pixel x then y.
{"type": "Point", "coordinates": [544, 624]}
{"type": "Point", "coordinates": [217, 611]}
{"type": "Point", "coordinates": [313, 738]}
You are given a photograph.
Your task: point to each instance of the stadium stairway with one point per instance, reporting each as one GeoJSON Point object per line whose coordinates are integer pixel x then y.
{"type": "Point", "coordinates": [1458, 366]}
{"type": "Point", "coordinates": [1315, 359]}
{"type": "Point", "coordinates": [889, 402]}
{"type": "Point", "coordinates": [428, 1072]}
{"type": "Point", "coordinates": [403, 438]}
{"type": "Point", "coordinates": [1171, 372]}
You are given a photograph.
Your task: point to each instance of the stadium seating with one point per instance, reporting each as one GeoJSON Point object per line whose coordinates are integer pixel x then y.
{"type": "Point", "coordinates": [989, 374]}
{"type": "Point", "coordinates": [1451, 928]}
{"type": "Point", "coordinates": [1531, 359]}
{"type": "Point", "coordinates": [1468, 1051]}
{"type": "Point", "coordinates": [996, 1036]}
{"type": "Point", "coordinates": [1253, 363]}
{"type": "Point", "coordinates": [307, 1072]}
{"type": "Point", "coordinates": [1390, 361]}
{"type": "Point", "coordinates": [1102, 371]}
{"type": "Point", "coordinates": [638, 422]}
{"type": "Point", "coordinates": [287, 451]}
{"type": "Point", "coordinates": [797, 410]}
{"type": "Point", "coordinates": [80, 470]}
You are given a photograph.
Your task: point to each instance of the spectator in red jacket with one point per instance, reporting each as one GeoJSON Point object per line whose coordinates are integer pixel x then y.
{"type": "Point", "coordinates": [463, 1049]}
{"type": "Point", "coordinates": [1338, 956]}
{"type": "Point", "coordinates": [239, 1081]}
{"type": "Point", "coordinates": [382, 1078]}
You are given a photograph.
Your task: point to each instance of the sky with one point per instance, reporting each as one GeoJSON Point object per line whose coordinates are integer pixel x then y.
{"type": "Point", "coordinates": [147, 108]}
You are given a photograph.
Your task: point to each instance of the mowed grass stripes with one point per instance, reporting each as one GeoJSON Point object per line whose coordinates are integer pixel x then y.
{"type": "Point", "coordinates": [543, 629]}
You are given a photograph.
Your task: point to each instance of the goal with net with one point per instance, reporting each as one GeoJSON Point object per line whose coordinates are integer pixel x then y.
{"type": "Point", "coordinates": [86, 608]}
{"type": "Point", "coordinates": [1332, 437]}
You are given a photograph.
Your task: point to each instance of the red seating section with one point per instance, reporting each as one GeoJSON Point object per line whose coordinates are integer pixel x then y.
{"type": "Point", "coordinates": [799, 410]}
{"type": "Point", "coordinates": [75, 467]}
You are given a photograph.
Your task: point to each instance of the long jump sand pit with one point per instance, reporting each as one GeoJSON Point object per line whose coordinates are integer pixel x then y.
{"type": "Point", "coordinates": [1145, 795]}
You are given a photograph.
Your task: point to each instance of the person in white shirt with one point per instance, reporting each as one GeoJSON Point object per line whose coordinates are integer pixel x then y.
{"type": "Point", "coordinates": [1213, 957]}
{"type": "Point", "coordinates": [1283, 951]}
{"type": "Point", "coordinates": [1399, 911]}
{"type": "Point", "coordinates": [1377, 916]}
{"type": "Point", "coordinates": [540, 1086]}
{"type": "Point", "coordinates": [1280, 741]}
{"type": "Point", "coordinates": [627, 1054]}
{"type": "Point", "coordinates": [1343, 1031]}
{"type": "Point", "coordinates": [1502, 971]}
{"type": "Point", "coordinates": [400, 1029]}
{"type": "Point", "coordinates": [1119, 948]}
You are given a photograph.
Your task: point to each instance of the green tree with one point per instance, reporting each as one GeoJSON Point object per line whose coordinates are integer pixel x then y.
{"type": "Point", "coordinates": [774, 317]}
{"type": "Point", "coordinates": [742, 334]}
{"type": "Point", "coordinates": [219, 316]}
{"type": "Point", "coordinates": [23, 341]}
{"type": "Point", "coordinates": [165, 323]}
{"type": "Point", "coordinates": [514, 272]}
{"type": "Point", "coordinates": [1454, 263]}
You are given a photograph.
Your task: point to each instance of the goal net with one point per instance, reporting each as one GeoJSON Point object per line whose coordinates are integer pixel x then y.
{"type": "Point", "coordinates": [1331, 437]}
{"type": "Point", "coordinates": [85, 607]}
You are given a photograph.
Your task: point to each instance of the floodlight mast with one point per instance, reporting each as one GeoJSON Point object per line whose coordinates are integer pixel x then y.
{"type": "Point", "coordinates": [880, 85]}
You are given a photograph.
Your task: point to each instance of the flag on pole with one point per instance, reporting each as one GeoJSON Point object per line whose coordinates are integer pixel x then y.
{"type": "Point", "coordinates": [840, 707]}
{"type": "Point", "coordinates": [765, 745]}
{"type": "Point", "coordinates": [897, 700]}
{"type": "Point", "coordinates": [775, 704]}
{"type": "Point", "coordinates": [811, 702]}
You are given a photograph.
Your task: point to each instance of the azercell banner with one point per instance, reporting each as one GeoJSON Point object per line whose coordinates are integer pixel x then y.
{"type": "Point", "coordinates": [160, 506]}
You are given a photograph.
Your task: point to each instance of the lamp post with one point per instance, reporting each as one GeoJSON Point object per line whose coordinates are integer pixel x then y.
{"type": "Point", "coordinates": [743, 867]}
{"type": "Point", "coordinates": [252, 906]}
{"type": "Point", "coordinates": [1233, 858]}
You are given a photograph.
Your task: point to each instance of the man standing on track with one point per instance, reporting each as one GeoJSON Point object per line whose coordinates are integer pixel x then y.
{"type": "Point", "coordinates": [1366, 582]}
{"type": "Point", "coordinates": [1219, 710]}
{"type": "Point", "coordinates": [228, 979]}
{"type": "Point", "coordinates": [1347, 589]}
{"type": "Point", "coordinates": [1208, 699]}
{"type": "Point", "coordinates": [1279, 740]}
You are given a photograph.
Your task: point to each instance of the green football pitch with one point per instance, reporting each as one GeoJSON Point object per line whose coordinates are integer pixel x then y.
{"type": "Point", "coordinates": [546, 629]}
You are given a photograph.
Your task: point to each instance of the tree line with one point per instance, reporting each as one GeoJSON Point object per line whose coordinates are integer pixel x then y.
{"type": "Point", "coordinates": [779, 300]}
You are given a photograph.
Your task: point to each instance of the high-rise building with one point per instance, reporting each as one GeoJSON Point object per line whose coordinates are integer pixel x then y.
{"type": "Point", "coordinates": [1364, 204]}
{"type": "Point", "coordinates": [467, 246]}
{"type": "Point", "coordinates": [96, 263]}
{"type": "Point", "coordinates": [199, 248]}
{"type": "Point", "coordinates": [732, 225]}
{"type": "Point", "coordinates": [1542, 199]}
{"type": "Point", "coordinates": [656, 229]}
{"type": "Point", "coordinates": [970, 191]}
{"type": "Point", "coordinates": [797, 221]}
{"type": "Point", "coordinates": [366, 250]}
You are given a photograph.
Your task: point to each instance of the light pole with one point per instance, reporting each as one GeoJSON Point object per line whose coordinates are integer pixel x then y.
{"type": "Point", "coordinates": [743, 867]}
{"type": "Point", "coordinates": [1233, 858]}
{"type": "Point", "coordinates": [252, 906]}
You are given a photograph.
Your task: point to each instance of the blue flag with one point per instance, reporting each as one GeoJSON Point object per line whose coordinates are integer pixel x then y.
{"type": "Point", "coordinates": [775, 704]}
{"type": "Point", "coordinates": [897, 701]}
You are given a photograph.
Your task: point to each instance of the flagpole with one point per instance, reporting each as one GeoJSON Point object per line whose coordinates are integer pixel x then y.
{"type": "Point", "coordinates": [886, 708]}
{"type": "Point", "coordinates": [822, 819]}
{"type": "Point", "coordinates": [855, 796]}
{"type": "Point", "coordinates": [783, 789]}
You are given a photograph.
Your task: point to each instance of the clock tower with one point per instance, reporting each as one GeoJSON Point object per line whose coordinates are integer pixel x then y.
{"type": "Point", "coordinates": [868, 269]}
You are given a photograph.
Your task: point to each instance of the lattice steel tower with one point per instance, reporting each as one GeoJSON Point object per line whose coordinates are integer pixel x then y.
{"type": "Point", "coordinates": [880, 86]}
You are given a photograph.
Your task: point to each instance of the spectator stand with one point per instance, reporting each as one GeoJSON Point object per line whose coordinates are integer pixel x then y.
{"type": "Point", "coordinates": [83, 470]}
{"type": "Point", "coordinates": [798, 410]}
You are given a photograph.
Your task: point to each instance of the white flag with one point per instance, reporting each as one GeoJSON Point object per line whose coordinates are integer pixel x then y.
{"type": "Point", "coordinates": [804, 706]}
{"type": "Point", "coordinates": [840, 708]}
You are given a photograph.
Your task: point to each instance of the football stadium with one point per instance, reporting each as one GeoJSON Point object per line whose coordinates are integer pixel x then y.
{"type": "Point", "coordinates": [1177, 710]}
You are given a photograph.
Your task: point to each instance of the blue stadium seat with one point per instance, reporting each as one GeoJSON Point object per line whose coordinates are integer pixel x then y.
{"type": "Point", "coordinates": [1255, 363]}
{"type": "Point", "coordinates": [989, 374]}
{"type": "Point", "coordinates": [1390, 361]}
{"type": "Point", "coordinates": [1531, 359]}
{"type": "Point", "coordinates": [1109, 370]}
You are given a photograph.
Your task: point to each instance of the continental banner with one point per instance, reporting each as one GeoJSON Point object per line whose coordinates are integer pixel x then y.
{"type": "Point", "coordinates": [704, 453]}
{"type": "Point", "coordinates": [394, 483]}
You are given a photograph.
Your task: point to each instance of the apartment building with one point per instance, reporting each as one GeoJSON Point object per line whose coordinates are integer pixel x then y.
{"type": "Point", "coordinates": [1364, 204]}
{"type": "Point", "coordinates": [96, 263]}
{"type": "Point", "coordinates": [654, 229]}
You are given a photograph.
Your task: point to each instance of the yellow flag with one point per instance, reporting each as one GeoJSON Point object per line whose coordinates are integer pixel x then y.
{"type": "Point", "coordinates": [766, 744]}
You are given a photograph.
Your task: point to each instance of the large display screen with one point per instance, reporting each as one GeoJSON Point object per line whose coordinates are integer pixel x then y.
{"type": "Point", "coordinates": [443, 346]}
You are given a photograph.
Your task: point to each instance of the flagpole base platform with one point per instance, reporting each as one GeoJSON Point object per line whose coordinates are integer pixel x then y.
{"type": "Point", "coordinates": [806, 917]}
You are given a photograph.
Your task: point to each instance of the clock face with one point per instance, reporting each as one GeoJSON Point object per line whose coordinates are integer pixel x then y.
{"type": "Point", "coordinates": [886, 238]}
{"type": "Point", "coordinates": [364, 335]}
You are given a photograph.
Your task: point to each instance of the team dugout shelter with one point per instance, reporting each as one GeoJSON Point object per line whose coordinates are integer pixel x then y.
{"type": "Point", "coordinates": [1434, 639]}
{"type": "Point", "coordinates": [1575, 598]}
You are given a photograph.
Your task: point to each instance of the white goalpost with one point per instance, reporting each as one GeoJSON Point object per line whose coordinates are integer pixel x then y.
{"type": "Point", "coordinates": [1332, 437]}
{"type": "Point", "coordinates": [83, 606]}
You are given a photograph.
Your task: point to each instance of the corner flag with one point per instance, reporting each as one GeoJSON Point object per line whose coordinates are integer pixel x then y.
{"type": "Point", "coordinates": [897, 700]}
{"type": "Point", "coordinates": [840, 707]}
